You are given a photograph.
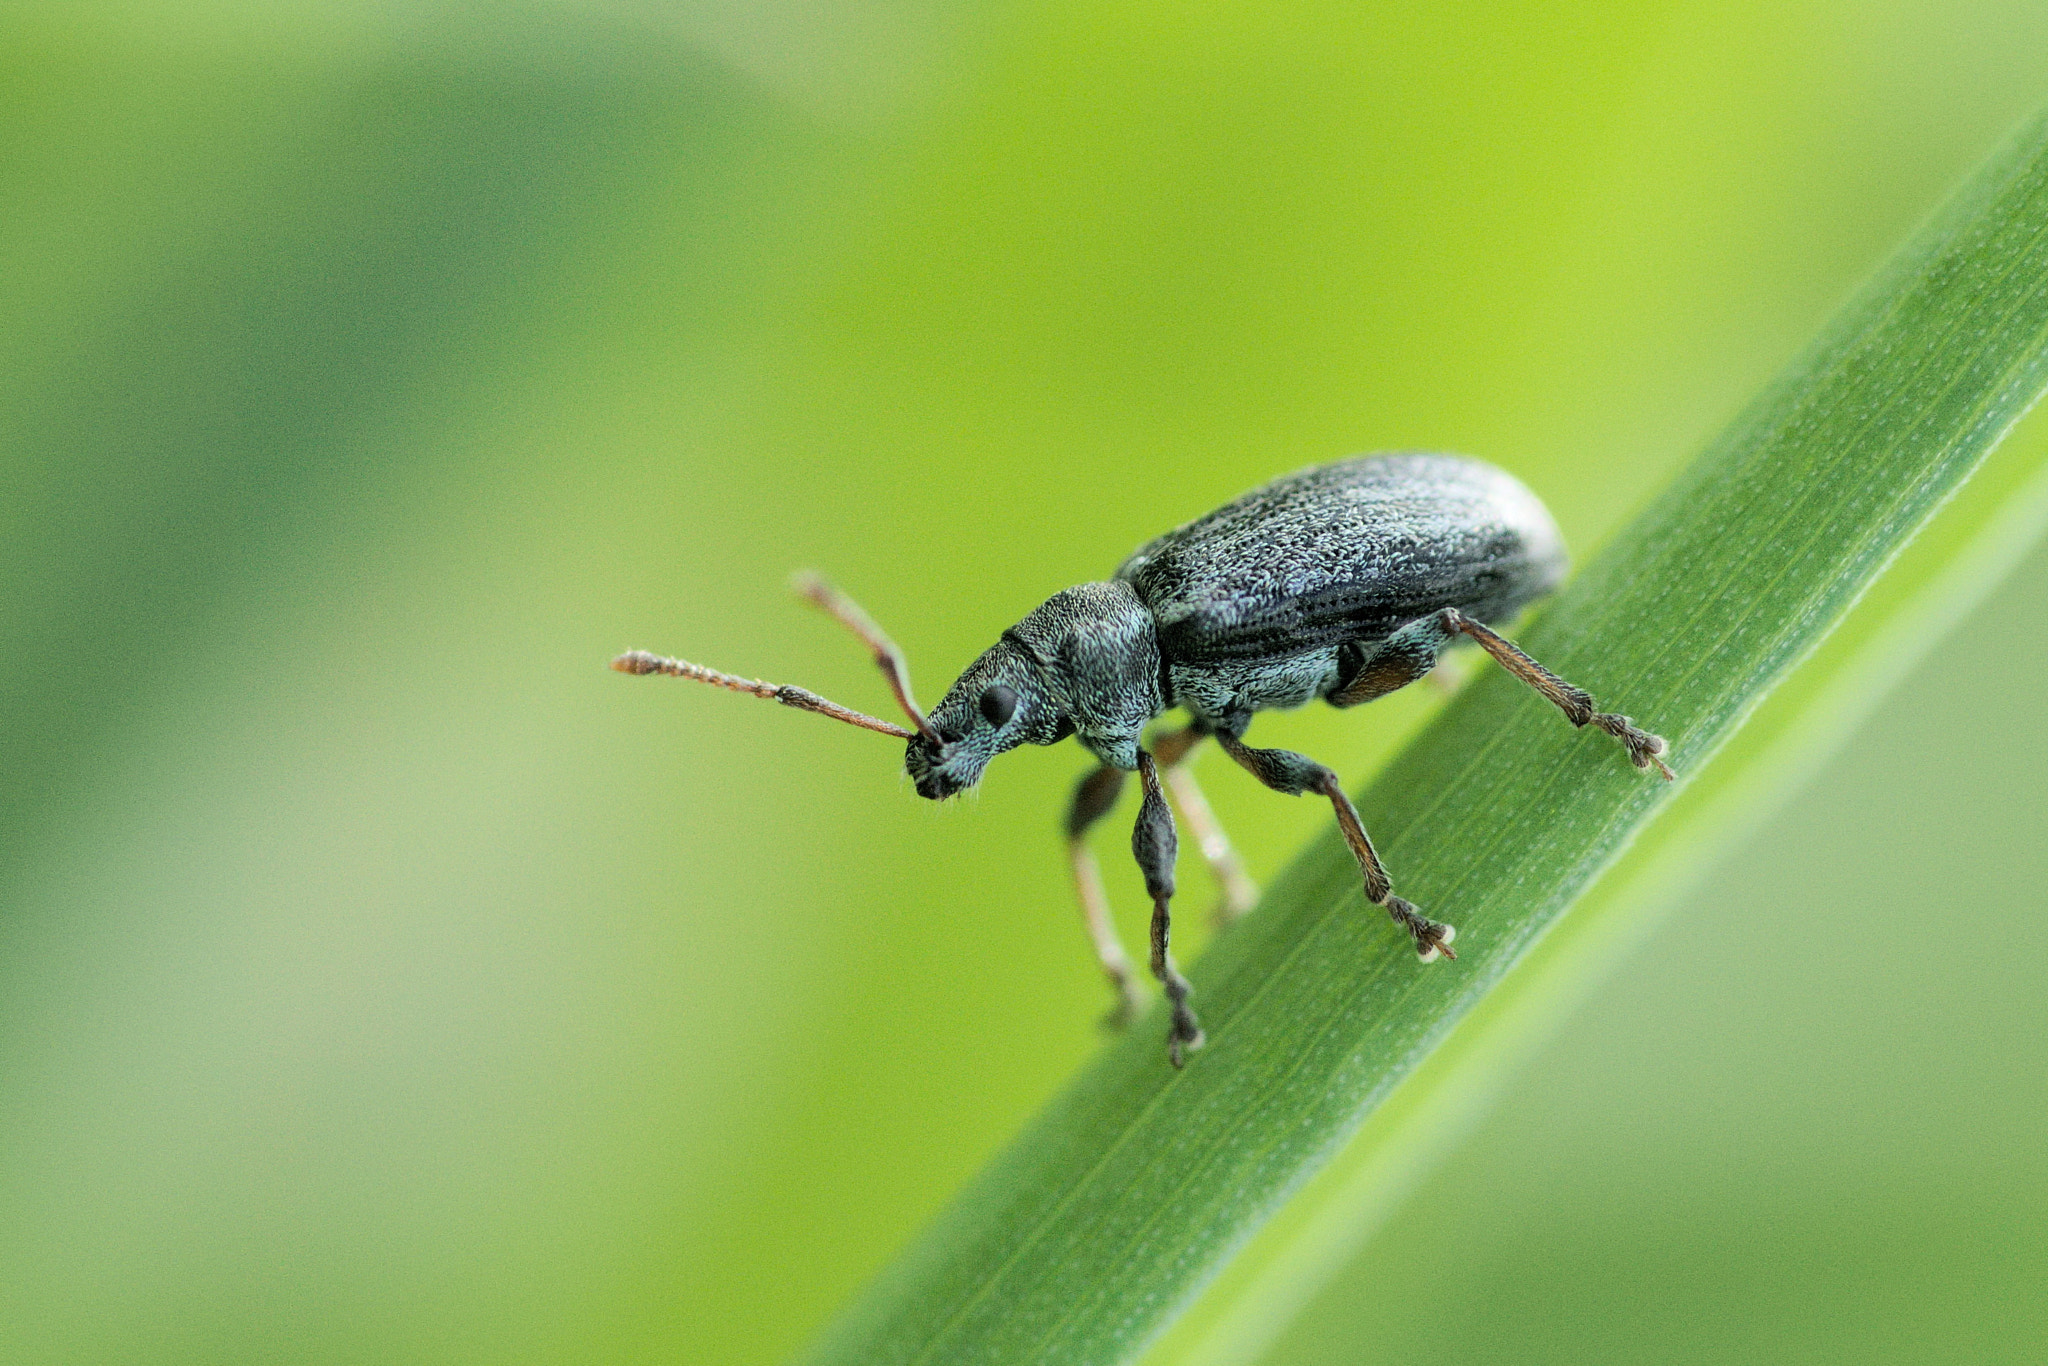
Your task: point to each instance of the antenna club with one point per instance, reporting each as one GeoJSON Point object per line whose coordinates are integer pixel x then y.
{"type": "Point", "coordinates": [638, 662]}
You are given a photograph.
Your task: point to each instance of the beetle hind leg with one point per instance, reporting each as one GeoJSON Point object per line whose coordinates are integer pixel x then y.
{"type": "Point", "coordinates": [1285, 771]}
{"type": "Point", "coordinates": [1645, 750]}
{"type": "Point", "coordinates": [1408, 654]}
{"type": "Point", "coordinates": [1411, 652]}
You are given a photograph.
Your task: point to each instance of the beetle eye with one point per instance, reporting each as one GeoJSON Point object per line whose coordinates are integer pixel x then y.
{"type": "Point", "coordinates": [998, 705]}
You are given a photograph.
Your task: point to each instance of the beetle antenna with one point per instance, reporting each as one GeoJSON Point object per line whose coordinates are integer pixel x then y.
{"type": "Point", "coordinates": [641, 662]}
{"type": "Point", "coordinates": [888, 658]}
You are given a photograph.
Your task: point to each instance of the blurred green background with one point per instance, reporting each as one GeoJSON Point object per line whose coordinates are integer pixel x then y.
{"type": "Point", "coordinates": [383, 980]}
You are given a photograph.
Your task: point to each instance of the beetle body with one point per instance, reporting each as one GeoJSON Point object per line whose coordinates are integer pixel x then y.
{"type": "Point", "coordinates": [1271, 601]}
{"type": "Point", "coordinates": [1342, 582]}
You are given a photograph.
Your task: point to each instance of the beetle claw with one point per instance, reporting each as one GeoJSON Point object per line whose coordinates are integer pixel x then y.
{"type": "Point", "coordinates": [1645, 750]}
{"type": "Point", "coordinates": [1433, 940]}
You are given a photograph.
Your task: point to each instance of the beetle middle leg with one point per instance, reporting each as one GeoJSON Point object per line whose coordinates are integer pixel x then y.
{"type": "Point", "coordinates": [1285, 771]}
{"type": "Point", "coordinates": [1238, 892]}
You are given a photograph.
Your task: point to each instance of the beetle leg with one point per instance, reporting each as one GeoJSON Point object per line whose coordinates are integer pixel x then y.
{"type": "Point", "coordinates": [1153, 844]}
{"type": "Point", "coordinates": [1285, 771]}
{"type": "Point", "coordinates": [1408, 654]}
{"type": "Point", "coordinates": [1239, 892]}
{"type": "Point", "coordinates": [1644, 749]}
{"type": "Point", "coordinates": [1094, 795]}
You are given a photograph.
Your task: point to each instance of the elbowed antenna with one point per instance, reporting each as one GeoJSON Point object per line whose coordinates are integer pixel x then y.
{"type": "Point", "coordinates": [641, 662]}
{"type": "Point", "coordinates": [887, 657]}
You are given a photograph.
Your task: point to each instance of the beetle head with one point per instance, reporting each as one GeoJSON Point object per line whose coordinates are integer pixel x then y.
{"type": "Point", "coordinates": [1001, 702]}
{"type": "Point", "coordinates": [1085, 661]}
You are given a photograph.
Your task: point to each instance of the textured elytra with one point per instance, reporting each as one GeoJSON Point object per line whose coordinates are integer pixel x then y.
{"type": "Point", "coordinates": [1347, 552]}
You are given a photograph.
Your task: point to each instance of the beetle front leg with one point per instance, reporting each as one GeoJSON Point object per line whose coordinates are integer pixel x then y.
{"type": "Point", "coordinates": [1153, 844]}
{"type": "Point", "coordinates": [1285, 771]}
{"type": "Point", "coordinates": [1094, 795]}
{"type": "Point", "coordinates": [1644, 749]}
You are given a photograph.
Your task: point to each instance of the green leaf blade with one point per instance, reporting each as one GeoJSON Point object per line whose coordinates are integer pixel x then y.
{"type": "Point", "coordinates": [1120, 1201]}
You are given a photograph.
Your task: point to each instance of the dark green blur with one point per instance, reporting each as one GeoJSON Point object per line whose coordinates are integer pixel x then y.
{"type": "Point", "coordinates": [381, 979]}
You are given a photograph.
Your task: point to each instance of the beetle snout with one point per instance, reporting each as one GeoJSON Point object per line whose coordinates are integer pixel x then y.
{"type": "Point", "coordinates": [934, 784]}
{"type": "Point", "coordinates": [944, 770]}
{"type": "Point", "coordinates": [933, 769]}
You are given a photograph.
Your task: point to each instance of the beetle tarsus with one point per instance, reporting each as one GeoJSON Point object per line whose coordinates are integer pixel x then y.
{"type": "Point", "coordinates": [1645, 750]}
{"type": "Point", "coordinates": [1432, 937]}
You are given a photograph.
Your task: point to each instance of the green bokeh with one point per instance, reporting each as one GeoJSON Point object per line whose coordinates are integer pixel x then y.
{"type": "Point", "coordinates": [381, 979]}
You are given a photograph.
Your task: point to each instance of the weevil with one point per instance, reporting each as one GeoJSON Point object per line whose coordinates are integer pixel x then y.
{"type": "Point", "coordinates": [1343, 581]}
